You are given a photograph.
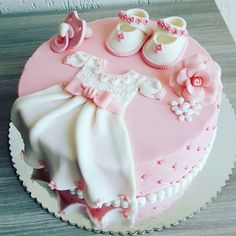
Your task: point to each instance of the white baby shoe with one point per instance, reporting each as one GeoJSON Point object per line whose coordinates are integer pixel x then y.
{"type": "Point", "coordinates": [130, 33]}
{"type": "Point", "coordinates": [168, 43]}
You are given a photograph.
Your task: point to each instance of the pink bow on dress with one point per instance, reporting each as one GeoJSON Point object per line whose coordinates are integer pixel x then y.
{"type": "Point", "coordinates": [100, 98]}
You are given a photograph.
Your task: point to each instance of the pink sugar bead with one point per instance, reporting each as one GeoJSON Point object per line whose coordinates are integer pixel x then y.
{"type": "Point", "coordinates": [189, 147]}
{"type": "Point", "coordinates": [143, 177]}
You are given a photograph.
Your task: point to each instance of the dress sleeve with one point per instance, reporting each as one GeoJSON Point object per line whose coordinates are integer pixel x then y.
{"type": "Point", "coordinates": [77, 59]}
{"type": "Point", "coordinates": [152, 88]}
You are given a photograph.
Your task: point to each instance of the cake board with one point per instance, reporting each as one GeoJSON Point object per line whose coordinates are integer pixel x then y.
{"type": "Point", "coordinates": [216, 172]}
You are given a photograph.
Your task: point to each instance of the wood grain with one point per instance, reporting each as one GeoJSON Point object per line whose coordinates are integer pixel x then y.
{"type": "Point", "coordinates": [21, 35]}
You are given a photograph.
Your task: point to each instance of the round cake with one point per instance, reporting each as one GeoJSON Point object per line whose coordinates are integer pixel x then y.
{"type": "Point", "coordinates": [115, 137]}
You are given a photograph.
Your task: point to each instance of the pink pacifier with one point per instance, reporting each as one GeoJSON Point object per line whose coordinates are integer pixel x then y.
{"type": "Point", "coordinates": [71, 33]}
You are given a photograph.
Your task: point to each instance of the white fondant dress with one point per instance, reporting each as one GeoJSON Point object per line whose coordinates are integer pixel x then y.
{"type": "Point", "coordinates": [79, 137]}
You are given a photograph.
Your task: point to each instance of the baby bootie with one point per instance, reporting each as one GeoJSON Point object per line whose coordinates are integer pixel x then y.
{"type": "Point", "coordinates": [168, 43]}
{"type": "Point", "coordinates": [129, 35]}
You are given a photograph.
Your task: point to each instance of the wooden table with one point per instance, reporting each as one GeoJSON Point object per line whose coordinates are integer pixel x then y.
{"type": "Point", "coordinates": [21, 35]}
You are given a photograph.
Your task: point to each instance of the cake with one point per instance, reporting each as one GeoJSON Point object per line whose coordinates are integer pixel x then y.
{"type": "Point", "coordinates": [118, 136]}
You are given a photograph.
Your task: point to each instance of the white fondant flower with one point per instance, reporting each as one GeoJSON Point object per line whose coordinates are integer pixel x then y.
{"type": "Point", "coordinates": [185, 110]}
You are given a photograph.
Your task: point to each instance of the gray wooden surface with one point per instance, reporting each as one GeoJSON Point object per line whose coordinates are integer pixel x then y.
{"type": "Point", "coordinates": [21, 35]}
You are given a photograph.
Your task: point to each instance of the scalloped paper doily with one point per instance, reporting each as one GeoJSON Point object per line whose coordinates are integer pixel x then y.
{"type": "Point", "coordinates": [216, 171]}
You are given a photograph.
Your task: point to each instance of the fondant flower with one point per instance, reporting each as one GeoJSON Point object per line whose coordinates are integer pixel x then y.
{"type": "Point", "coordinates": [161, 23]}
{"type": "Point", "coordinates": [197, 79]}
{"type": "Point", "coordinates": [120, 36]}
{"type": "Point", "coordinates": [175, 31]}
{"type": "Point", "coordinates": [80, 185]}
{"type": "Point", "coordinates": [130, 19]}
{"type": "Point", "coordinates": [185, 110]}
{"type": "Point", "coordinates": [52, 185]}
{"type": "Point", "coordinates": [138, 20]}
{"type": "Point", "coordinates": [168, 28]}
{"type": "Point", "coordinates": [158, 48]}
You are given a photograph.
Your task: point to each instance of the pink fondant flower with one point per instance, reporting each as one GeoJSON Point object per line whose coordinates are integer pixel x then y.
{"type": "Point", "coordinates": [130, 19]}
{"type": "Point", "coordinates": [138, 20]}
{"type": "Point", "coordinates": [125, 213]}
{"type": "Point", "coordinates": [123, 197]}
{"type": "Point", "coordinates": [52, 185]}
{"type": "Point", "coordinates": [99, 203]}
{"type": "Point", "coordinates": [120, 36]}
{"type": "Point", "coordinates": [80, 185]}
{"type": "Point", "coordinates": [197, 79]}
{"type": "Point", "coordinates": [175, 31]}
{"type": "Point", "coordinates": [158, 48]}
{"type": "Point", "coordinates": [168, 28]}
{"type": "Point", "coordinates": [146, 21]}
{"type": "Point", "coordinates": [161, 23]}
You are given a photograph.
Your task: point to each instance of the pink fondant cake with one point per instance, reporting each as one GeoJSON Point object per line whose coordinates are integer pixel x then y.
{"type": "Point", "coordinates": [114, 137]}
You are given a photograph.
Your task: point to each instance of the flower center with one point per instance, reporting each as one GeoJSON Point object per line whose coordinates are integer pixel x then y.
{"type": "Point", "coordinates": [196, 81]}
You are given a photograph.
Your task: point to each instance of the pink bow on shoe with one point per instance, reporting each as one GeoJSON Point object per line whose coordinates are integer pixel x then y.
{"type": "Point", "coordinates": [100, 98]}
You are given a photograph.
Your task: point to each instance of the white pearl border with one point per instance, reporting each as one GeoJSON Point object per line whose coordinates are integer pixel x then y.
{"type": "Point", "coordinates": [163, 194]}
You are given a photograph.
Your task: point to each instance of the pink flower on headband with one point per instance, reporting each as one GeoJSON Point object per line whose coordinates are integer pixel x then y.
{"type": "Point", "coordinates": [197, 78]}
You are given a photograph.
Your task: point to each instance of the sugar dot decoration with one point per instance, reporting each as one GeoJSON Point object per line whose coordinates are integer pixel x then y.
{"type": "Point", "coordinates": [174, 166]}
{"type": "Point", "coordinates": [189, 147]}
{"type": "Point", "coordinates": [160, 162]}
{"type": "Point", "coordinates": [143, 177]}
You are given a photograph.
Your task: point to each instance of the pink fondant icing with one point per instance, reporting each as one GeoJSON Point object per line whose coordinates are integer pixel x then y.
{"type": "Point", "coordinates": [159, 141]}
